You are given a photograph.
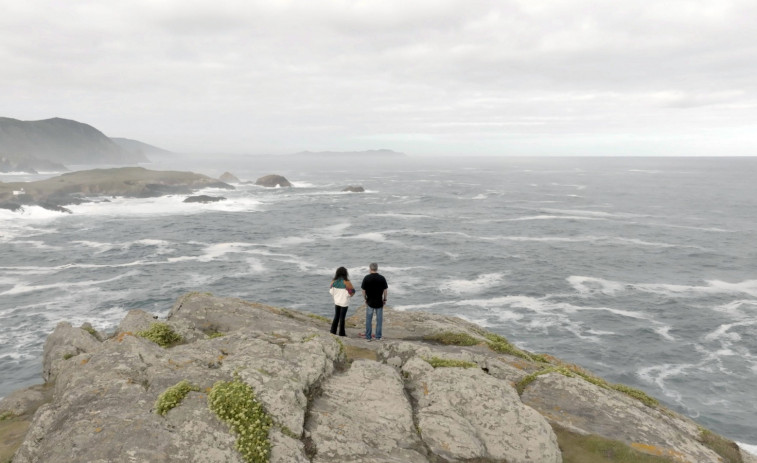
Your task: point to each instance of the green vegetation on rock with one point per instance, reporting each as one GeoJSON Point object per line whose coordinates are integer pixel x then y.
{"type": "Point", "coordinates": [234, 402]}
{"type": "Point", "coordinates": [573, 371]}
{"type": "Point", "coordinates": [453, 339]}
{"type": "Point", "coordinates": [499, 344]}
{"type": "Point", "coordinates": [173, 396]}
{"type": "Point", "coordinates": [161, 334]}
{"type": "Point", "coordinates": [6, 416]}
{"type": "Point", "coordinates": [216, 335]}
{"type": "Point", "coordinates": [727, 449]}
{"type": "Point", "coordinates": [578, 448]}
{"type": "Point", "coordinates": [437, 362]}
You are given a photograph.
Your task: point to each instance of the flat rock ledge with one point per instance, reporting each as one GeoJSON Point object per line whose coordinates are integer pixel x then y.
{"type": "Point", "coordinates": [412, 398]}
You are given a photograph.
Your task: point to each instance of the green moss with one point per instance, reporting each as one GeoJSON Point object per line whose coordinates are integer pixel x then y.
{"type": "Point", "coordinates": [91, 331]}
{"type": "Point", "coordinates": [173, 396]}
{"type": "Point", "coordinates": [234, 402]}
{"type": "Point", "coordinates": [310, 337]}
{"type": "Point", "coordinates": [727, 449]}
{"type": "Point", "coordinates": [161, 334]}
{"type": "Point", "coordinates": [572, 371]}
{"type": "Point", "coordinates": [578, 448]}
{"type": "Point", "coordinates": [320, 318]}
{"type": "Point", "coordinates": [437, 362]}
{"type": "Point", "coordinates": [288, 432]}
{"type": "Point", "coordinates": [452, 338]}
{"type": "Point", "coordinates": [216, 335]}
{"type": "Point", "coordinates": [6, 416]}
{"type": "Point", "coordinates": [636, 394]}
{"type": "Point", "coordinates": [67, 356]}
{"type": "Point", "coordinates": [499, 344]}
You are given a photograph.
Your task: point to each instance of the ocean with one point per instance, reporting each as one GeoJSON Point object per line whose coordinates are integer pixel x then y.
{"type": "Point", "coordinates": [641, 270]}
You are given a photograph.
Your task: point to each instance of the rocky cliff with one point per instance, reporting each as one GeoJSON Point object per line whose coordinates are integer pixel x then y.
{"type": "Point", "coordinates": [62, 141]}
{"type": "Point", "coordinates": [226, 380]}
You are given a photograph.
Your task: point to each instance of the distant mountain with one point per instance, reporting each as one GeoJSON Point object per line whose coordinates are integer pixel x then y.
{"type": "Point", "coordinates": [62, 141]}
{"type": "Point", "coordinates": [381, 153]}
{"type": "Point", "coordinates": [138, 147]}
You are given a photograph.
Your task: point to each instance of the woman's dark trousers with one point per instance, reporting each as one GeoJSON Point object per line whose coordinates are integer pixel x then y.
{"type": "Point", "coordinates": [339, 314]}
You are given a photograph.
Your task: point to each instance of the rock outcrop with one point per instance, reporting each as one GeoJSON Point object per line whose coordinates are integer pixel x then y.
{"type": "Point", "coordinates": [228, 177]}
{"type": "Point", "coordinates": [439, 390]}
{"type": "Point", "coordinates": [353, 189]}
{"type": "Point", "coordinates": [273, 181]}
{"type": "Point", "coordinates": [77, 187]}
{"type": "Point", "coordinates": [204, 199]}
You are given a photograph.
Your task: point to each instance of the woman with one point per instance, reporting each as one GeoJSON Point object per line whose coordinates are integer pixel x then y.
{"type": "Point", "coordinates": [342, 290]}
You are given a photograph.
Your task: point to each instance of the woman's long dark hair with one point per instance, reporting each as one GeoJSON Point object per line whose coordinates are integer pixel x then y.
{"type": "Point", "coordinates": [341, 272]}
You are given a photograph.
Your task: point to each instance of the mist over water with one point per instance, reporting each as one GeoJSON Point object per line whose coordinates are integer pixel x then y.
{"type": "Point", "coordinates": [641, 270]}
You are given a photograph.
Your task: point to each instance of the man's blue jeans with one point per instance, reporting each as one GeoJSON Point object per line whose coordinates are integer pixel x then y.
{"type": "Point", "coordinates": [369, 321]}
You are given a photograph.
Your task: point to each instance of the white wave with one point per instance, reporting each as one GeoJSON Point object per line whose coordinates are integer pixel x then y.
{"type": "Point", "coordinates": [723, 332]}
{"type": "Point", "coordinates": [215, 251]}
{"type": "Point", "coordinates": [664, 332]}
{"type": "Point", "coordinates": [291, 241]}
{"type": "Point", "coordinates": [738, 308]}
{"type": "Point", "coordinates": [750, 448]}
{"type": "Point", "coordinates": [163, 205]}
{"type": "Point", "coordinates": [21, 288]}
{"type": "Point", "coordinates": [418, 306]}
{"type": "Point", "coordinates": [302, 184]}
{"type": "Point", "coordinates": [589, 285]}
{"type": "Point", "coordinates": [255, 265]}
{"type": "Point", "coordinates": [659, 374]}
{"type": "Point", "coordinates": [553, 217]}
{"type": "Point", "coordinates": [334, 230]}
{"type": "Point", "coordinates": [396, 215]}
{"type": "Point", "coordinates": [482, 322]}
{"type": "Point", "coordinates": [38, 244]}
{"type": "Point", "coordinates": [713, 287]}
{"type": "Point", "coordinates": [480, 196]}
{"type": "Point", "coordinates": [30, 213]}
{"type": "Point", "coordinates": [370, 236]}
{"type": "Point", "coordinates": [467, 286]}
{"type": "Point", "coordinates": [583, 213]}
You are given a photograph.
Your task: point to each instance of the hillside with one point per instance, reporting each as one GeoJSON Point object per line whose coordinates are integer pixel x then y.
{"type": "Point", "coordinates": [62, 141]}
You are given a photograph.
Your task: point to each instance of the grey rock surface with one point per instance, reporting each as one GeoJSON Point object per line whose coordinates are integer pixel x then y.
{"type": "Point", "coordinates": [331, 399]}
{"type": "Point", "coordinates": [273, 181]}
{"type": "Point", "coordinates": [580, 405]}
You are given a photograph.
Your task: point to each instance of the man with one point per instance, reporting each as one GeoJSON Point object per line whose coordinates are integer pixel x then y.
{"type": "Point", "coordinates": [374, 292]}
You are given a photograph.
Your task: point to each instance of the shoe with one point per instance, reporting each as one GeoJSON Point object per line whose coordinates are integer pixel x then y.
{"type": "Point", "coordinates": [378, 339]}
{"type": "Point", "coordinates": [368, 340]}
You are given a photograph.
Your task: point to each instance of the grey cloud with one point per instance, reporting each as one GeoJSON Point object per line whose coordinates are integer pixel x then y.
{"type": "Point", "coordinates": [425, 74]}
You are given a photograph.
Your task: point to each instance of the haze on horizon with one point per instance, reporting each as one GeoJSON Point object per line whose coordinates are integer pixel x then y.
{"type": "Point", "coordinates": [443, 77]}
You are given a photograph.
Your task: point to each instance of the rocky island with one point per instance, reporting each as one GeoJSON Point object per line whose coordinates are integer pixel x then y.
{"type": "Point", "coordinates": [227, 380]}
{"type": "Point", "coordinates": [77, 187]}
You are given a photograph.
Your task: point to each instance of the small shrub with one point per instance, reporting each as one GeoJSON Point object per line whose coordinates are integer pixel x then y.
{"type": "Point", "coordinates": [234, 402]}
{"type": "Point", "coordinates": [437, 362]}
{"type": "Point", "coordinates": [173, 396]}
{"type": "Point", "coordinates": [452, 338]}
{"type": "Point", "coordinates": [161, 334]}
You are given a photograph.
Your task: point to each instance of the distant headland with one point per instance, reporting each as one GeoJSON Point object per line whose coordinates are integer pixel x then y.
{"type": "Point", "coordinates": [53, 144]}
{"type": "Point", "coordinates": [379, 153]}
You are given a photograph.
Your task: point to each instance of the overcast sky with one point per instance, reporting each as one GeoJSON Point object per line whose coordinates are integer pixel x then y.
{"type": "Point", "coordinates": [426, 77]}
